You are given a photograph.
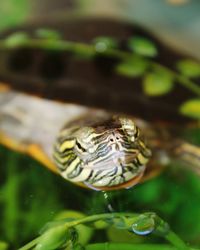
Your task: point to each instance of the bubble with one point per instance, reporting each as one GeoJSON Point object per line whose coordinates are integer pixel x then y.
{"type": "Point", "coordinates": [109, 206]}
{"type": "Point", "coordinates": [144, 225]}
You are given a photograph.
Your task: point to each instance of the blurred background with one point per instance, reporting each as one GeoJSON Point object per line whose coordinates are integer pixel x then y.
{"type": "Point", "coordinates": [177, 21]}
{"type": "Point", "coordinates": [30, 195]}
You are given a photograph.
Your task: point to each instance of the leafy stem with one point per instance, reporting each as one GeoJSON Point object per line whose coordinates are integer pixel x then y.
{"type": "Point", "coordinates": [156, 78]}
{"type": "Point", "coordinates": [141, 224]}
{"type": "Point", "coordinates": [48, 43]}
{"type": "Point", "coordinates": [186, 82]}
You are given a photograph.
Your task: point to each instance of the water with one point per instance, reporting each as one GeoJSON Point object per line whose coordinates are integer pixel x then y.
{"type": "Point", "coordinates": [31, 196]}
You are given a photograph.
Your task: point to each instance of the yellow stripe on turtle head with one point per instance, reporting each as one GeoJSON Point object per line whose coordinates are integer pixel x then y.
{"type": "Point", "coordinates": [68, 144]}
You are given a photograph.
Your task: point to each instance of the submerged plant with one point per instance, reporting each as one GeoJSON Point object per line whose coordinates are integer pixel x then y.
{"type": "Point", "coordinates": [63, 234]}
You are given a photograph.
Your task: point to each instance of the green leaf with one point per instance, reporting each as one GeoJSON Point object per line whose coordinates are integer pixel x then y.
{"type": "Point", "coordinates": [104, 43]}
{"type": "Point", "coordinates": [53, 238]}
{"type": "Point", "coordinates": [189, 68]}
{"type": "Point", "coordinates": [133, 67]}
{"type": "Point", "coordinates": [3, 245]}
{"type": "Point", "coordinates": [16, 39]}
{"type": "Point", "coordinates": [100, 224]}
{"type": "Point", "coordinates": [128, 246]}
{"type": "Point", "coordinates": [119, 236]}
{"type": "Point", "coordinates": [84, 232]}
{"type": "Point", "coordinates": [191, 108]}
{"type": "Point", "coordinates": [48, 34]}
{"type": "Point", "coordinates": [142, 46]}
{"type": "Point", "coordinates": [158, 83]}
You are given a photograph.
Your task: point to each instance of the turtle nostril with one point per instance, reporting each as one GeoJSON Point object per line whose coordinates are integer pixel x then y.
{"type": "Point", "coordinates": [114, 138]}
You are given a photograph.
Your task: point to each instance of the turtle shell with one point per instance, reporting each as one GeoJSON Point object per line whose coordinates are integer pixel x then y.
{"type": "Point", "coordinates": [61, 76]}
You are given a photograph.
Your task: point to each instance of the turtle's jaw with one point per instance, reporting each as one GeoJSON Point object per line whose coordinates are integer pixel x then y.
{"type": "Point", "coordinates": [113, 160]}
{"type": "Point", "coordinates": [115, 179]}
{"type": "Point", "coordinates": [118, 170]}
{"type": "Point", "coordinates": [123, 185]}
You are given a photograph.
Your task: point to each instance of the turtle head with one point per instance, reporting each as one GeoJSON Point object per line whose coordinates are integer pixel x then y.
{"type": "Point", "coordinates": [110, 154]}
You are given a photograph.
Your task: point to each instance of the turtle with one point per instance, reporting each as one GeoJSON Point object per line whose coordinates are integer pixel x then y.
{"type": "Point", "coordinates": [80, 119]}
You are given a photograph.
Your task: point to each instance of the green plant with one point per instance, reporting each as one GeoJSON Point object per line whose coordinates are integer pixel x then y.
{"type": "Point", "coordinates": [63, 234]}
{"type": "Point", "coordinates": [157, 79]}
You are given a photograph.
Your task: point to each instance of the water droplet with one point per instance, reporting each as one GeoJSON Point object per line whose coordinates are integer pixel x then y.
{"type": "Point", "coordinates": [143, 225]}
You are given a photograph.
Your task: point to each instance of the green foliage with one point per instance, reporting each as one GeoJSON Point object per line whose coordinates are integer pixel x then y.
{"type": "Point", "coordinates": [191, 108]}
{"type": "Point", "coordinates": [122, 236]}
{"type": "Point", "coordinates": [157, 79]}
{"type": "Point", "coordinates": [157, 83]}
{"type": "Point", "coordinates": [189, 68]}
{"type": "Point", "coordinates": [104, 43]}
{"type": "Point", "coordinates": [3, 245]}
{"type": "Point", "coordinates": [167, 195]}
{"type": "Point", "coordinates": [16, 39]}
{"type": "Point", "coordinates": [175, 197]}
{"type": "Point", "coordinates": [142, 46]}
{"type": "Point", "coordinates": [53, 238]}
{"type": "Point", "coordinates": [132, 67]}
{"type": "Point", "coordinates": [48, 34]}
{"type": "Point", "coordinates": [118, 246]}
{"type": "Point", "coordinates": [84, 232]}
{"type": "Point", "coordinates": [30, 195]}
{"type": "Point", "coordinates": [22, 195]}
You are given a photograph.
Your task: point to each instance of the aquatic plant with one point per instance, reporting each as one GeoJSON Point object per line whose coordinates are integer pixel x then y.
{"type": "Point", "coordinates": [158, 79]}
{"type": "Point", "coordinates": [27, 202]}
{"type": "Point", "coordinates": [63, 234]}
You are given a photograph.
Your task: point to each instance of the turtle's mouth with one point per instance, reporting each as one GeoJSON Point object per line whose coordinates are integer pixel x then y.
{"type": "Point", "coordinates": [113, 177]}
{"type": "Point", "coordinates": [113, 160]}
{"type": "Point", "coordinates": [117, 168]}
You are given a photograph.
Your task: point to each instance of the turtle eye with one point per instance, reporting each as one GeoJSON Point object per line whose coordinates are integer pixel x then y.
{"type": "Point", "coordinates": [130, 128]}
{"type": "Point", "coordinates": [80, 148]}
{"type": "Point", "coordinates": [133, 136]}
